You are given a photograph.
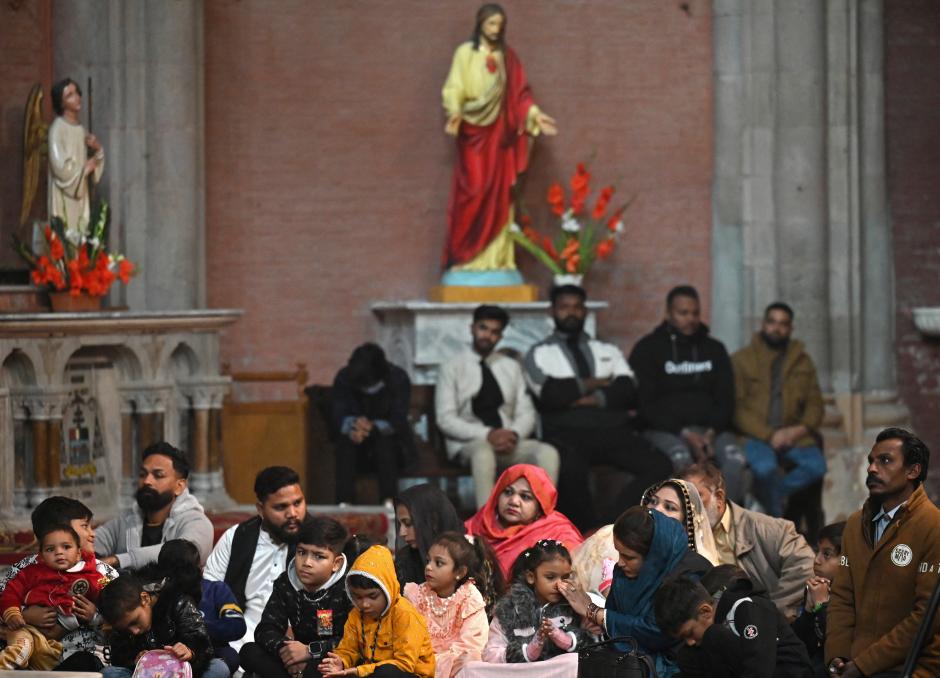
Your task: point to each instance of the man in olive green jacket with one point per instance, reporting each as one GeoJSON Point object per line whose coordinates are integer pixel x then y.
{"type": "Point", "coordinates": [778, 409]}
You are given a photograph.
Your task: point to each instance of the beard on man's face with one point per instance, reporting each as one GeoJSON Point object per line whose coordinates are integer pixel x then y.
{"type": "Point", "coordinates": [571, 324]}
{"type": "Point", "coordinates": [774, 341]}
{"type": "Point", "coordinates": [148, 499]}
{"type": "Point", "coordinates": [285, 534]}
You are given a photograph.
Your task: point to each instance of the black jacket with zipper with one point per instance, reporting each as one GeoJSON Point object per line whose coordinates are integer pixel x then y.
{"type": "Point", "coordinates": [683, 380]}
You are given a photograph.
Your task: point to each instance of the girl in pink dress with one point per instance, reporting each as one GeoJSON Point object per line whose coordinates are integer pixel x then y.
{"type": "Point", "coordinates": [451, 603]}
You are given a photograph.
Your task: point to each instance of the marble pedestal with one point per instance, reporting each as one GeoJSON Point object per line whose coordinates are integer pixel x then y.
{"type": "Point", "coordinates": [419, 335]}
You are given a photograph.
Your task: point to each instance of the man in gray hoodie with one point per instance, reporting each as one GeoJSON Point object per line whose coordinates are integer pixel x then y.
{"type": "Point", "coordinates": [166, 511]}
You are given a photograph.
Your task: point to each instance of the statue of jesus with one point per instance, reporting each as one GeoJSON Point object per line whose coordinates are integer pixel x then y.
{"type": "Point", "coordinates": [490, 110]}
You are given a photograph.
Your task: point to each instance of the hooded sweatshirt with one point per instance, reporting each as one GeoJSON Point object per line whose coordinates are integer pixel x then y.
{"type": "Point", "coordinates": [683, 380]}
{"type": "Point", "coordinates": [398, 637]}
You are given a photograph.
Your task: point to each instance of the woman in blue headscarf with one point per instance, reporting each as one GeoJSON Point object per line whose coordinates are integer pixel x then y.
{"type": "Point", "coordinates": [652, 548]}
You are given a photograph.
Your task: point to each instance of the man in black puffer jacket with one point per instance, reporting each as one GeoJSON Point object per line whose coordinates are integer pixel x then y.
{"type": "Point", "coordinates": [686, 391]}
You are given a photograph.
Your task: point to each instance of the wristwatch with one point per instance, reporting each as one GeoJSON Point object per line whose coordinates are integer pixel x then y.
{"type": "Point", "coordinates": [318, 649]}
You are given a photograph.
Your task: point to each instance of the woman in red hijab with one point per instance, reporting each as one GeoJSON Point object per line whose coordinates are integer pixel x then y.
{"type": "Point", "coordinates": [520, 512]}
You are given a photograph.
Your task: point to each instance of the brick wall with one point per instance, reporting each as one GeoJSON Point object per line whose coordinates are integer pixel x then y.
{"type": "Point", "coordinates": [327, 168]}
{"type": "Point", "coordinates": [26, 60]}
{"type": "Point", "coordinates": [912, 99]}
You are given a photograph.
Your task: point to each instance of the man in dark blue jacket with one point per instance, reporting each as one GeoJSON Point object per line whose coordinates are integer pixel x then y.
{"type": "Point", "coordinates": [686, 391]}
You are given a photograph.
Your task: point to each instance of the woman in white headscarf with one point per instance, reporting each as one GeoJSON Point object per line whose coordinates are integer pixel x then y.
{"type": "Point", "coordinates": [594, 561]}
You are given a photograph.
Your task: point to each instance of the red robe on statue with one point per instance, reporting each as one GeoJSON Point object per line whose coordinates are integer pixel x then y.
{"type": "Point", "coordinates": [489, 160]}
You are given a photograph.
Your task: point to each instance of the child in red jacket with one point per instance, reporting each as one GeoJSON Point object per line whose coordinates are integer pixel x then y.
{"type": "Point", "coordinates": [61, 572]}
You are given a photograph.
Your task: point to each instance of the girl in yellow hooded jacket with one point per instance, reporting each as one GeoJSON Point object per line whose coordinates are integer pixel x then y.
{"type": "Point", "coordinates": [384, 634]}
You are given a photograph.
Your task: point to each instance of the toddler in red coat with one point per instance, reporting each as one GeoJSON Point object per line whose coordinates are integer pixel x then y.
{"type": "Point", "coordinates": [61, 572]}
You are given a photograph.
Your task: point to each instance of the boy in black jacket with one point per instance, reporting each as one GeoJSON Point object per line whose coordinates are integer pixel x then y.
{"type": "Point", "coordinates": [310, 598]}
{"type": "Point", "coordinates": [686, 391]}
{"type": "Point", "coordinates": [734, 632]}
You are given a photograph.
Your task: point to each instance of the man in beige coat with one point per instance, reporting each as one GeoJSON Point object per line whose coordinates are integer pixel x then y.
{"type": "Point", "coordinates": [774, 555]}
{"type": "Point", "coordinates": [778, 409]}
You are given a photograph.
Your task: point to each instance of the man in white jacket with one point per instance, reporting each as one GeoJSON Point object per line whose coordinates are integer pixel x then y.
{"type": "Point", "coordinates": [484, 411]}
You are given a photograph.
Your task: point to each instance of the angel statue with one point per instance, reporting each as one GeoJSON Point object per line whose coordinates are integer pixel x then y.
{"type": "Point", "coordinates": [35, 132]}
{"type": "Point", "coordinates": [70, 168]}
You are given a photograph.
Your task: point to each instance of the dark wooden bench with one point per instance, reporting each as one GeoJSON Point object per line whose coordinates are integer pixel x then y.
{"type": "Point", "coordinates": [430, 463]}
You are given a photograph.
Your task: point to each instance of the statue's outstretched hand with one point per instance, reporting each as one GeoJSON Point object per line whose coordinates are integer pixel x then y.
{"type": "Point", "coordinates": [547, 124]}
{"type": "Point", "coordinates": [453, 125]}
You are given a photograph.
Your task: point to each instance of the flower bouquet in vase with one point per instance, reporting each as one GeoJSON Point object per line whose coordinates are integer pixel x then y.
{"type": "Point", "coordinates": [585, 233]}
{"type": "Point", "coordinates": [75, 267]}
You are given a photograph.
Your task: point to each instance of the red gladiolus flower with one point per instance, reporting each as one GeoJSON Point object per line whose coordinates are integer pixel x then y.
{"type": "Point", "coordinates": [604, 248]}
{"type": "Point", "coordinates": [581, 179]}
{"type": "Point", "coordinates": [573, 262]}
{"type": "Point", "coordinates": [556, 198]}
{"type": "Point", "coordinates": [549, 247]}
{"type": "Point", "coordinates": [525, 220]}
{"type": "Point", "coordinates": [83, 261]}
{"type": "Point", "coordinates": [603, 199]}
{"type": "Point", "coordinates": [571, 249]}
{"type": "Point", "coordinates": [125, 269]}
{"type": "Point", "coordinates": [56, 249]}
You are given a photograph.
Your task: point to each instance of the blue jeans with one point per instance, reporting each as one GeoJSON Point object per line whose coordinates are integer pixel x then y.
{"type": "Point", "coordinates": [216, 669]}
{"type": "Point", "coordinates": [771, 483]}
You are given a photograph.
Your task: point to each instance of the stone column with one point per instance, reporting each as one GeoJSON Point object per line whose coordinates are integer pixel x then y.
{"type": "Point", "coordinates": [44, 408]}
{"type": "Point", "coordinates": [7, 455]}
{"type": "Point", "coordinates": [204, 398]}
{"type": "Point", "coordinates": [146, 64]}
{"type": "Point", "coordinates": [800, 210]}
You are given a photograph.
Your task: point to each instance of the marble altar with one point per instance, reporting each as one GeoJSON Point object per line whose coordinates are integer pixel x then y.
{"type": "Point", "coordinates": [81, 394]}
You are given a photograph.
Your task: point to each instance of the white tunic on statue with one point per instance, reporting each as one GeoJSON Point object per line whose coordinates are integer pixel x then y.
{"type": "Point", "coordinates": [268, 564]}
{"type": "Point", "coordinates": [68, 186]}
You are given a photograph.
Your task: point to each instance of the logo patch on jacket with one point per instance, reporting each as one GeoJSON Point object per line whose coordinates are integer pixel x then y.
{"type": "Point", "coordinates": [902, 555]}
{"type": "Point", "coordinates": [688, 367]}
{"type": "Point", "coordinates": [325, 622]}
{"type": "Point", "coordinates": [79, 587]}
{"type": "Point", "coordinates": [750, 632]}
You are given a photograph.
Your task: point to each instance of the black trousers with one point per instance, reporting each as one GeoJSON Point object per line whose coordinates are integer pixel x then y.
{"type": "Point", "coordinates": [377, 453]}
{"type": "Point", "coordinates": [255, 659]}
{"type": "Point", "coordinates": [621, 447]}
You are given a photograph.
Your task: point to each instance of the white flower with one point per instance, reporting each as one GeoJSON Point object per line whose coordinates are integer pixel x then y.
{"type": "Point", "coordinates": [93, 242]}
{"type": "Point", "coordinates": [618, 227]}
{"type": "Point", "coordinates": [514, 227]}
{"type": "Point", "coordinates": [570, 224]}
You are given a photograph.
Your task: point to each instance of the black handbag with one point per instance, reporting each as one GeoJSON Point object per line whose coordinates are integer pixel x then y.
{"type": "Point", "coordinates": [602, 660]}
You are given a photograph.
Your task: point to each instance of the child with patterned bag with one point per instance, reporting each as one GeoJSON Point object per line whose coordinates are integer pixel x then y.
{"type": "Point", "coordinates": [451, 601]}
{"type": "Point", "coordinates": [61, 572]}
{"type": "Point", "coordinates": [385, 635]}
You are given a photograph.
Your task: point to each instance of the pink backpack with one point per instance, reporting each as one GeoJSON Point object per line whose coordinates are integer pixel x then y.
{"type": "Point", "coordinates": [162, 664]}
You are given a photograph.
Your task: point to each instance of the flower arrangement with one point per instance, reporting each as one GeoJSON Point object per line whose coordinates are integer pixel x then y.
{"type": "Point", "coordinates": [76, 262]}
{"type": "Point", "coordinates": [586, 234]}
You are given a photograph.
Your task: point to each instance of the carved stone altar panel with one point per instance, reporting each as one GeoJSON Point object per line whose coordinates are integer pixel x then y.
{"type": "Point", "coordinates": [419, 335]}
{"type": "Point", "coordinates": [77, 389]}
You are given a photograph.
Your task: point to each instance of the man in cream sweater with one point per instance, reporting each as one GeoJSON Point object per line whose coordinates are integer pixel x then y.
{"type": "Point", "coordinates": [484, 411]}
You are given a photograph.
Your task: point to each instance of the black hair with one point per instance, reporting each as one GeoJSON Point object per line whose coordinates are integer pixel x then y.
{"type": "Point", "coordinates": [175, 455]}
{"type": "Point", "coordinates": [566, 290]}
{"type": "Point", "coordinates": [175, 573]}
{"type": "Point", "coordinates": [49, 528]}
{"type": "Point", "coordinates": [58, 511]}
{"type": "Point", "coordinates": [356, 545]}
{"type": "Point", "coordinates": [360, 581]}
{"type": "Point", "coordinates": [367, 365]}
{"type": "Point", "coordinates": [484, 13]}
{"type": "Point", "coordinates": [58, 90]}
{"type": "Point", "coordinates": [914, 449]}
{"type": "Point", "coordinates": [475, 554]}
{"type": "Point", "coordinates": [779, 306]}
{"type": "Point", "coordinates": [634, 529]}
{"type": "Point", "coordinates": [431, 514]}
{"type": "Point", "coordinates": [120, 596]}
{"type": "Point", "coordinates": [324, 532]}
{"type": "Point", "coordinates": [832, 533]}
{"type": "Point", "coordinates": [540, 552]}
{"type": "Point", "coordinates": [681, 291]}
{"type": "Point", "coordinates": [488, 312]}
{"type": "Point", "coordinates": [676, 602]}
{"type": "Point", "coordinates": [725, 578]}
{"type": "Point", "coordinates": [271, 479]}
